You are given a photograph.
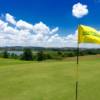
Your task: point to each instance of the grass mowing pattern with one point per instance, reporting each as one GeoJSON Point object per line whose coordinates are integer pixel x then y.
{"type": "Point", "coordinates": [49, 80]}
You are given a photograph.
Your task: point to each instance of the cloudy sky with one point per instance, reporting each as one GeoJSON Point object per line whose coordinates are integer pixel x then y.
{"type": "Point", "coordinates": [48, 23]}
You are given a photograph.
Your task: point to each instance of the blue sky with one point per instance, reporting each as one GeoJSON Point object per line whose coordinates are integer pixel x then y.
{"type": "Point", "coordinates": [53, 13]}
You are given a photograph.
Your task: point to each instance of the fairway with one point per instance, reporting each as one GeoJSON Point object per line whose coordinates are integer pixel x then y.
{"type": "Point", "coordinates": [49, 80]}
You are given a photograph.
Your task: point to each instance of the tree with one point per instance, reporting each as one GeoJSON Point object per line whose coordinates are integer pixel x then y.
{"type": "Point", "coordinates": [5, 54]}
{"type": "Point", "coordinates": [71, 54]}
{"type": "Point", "coordinates": [60, 53]}
{"type": "Point", "coordinates": [13, 56]}
{"type": "Point", "coordinates": [40, 56]}
{"type": "Point", "coordinates": [27, 55]}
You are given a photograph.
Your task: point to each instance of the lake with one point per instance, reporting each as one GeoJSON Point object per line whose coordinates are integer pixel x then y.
{"type": "Point", "coordinates": [14, 52]}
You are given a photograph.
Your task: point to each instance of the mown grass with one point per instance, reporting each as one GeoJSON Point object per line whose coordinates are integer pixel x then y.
{"type": "Point", "coordinates": [49, 80]}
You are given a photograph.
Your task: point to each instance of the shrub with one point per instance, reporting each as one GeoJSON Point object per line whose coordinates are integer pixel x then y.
{"type": "Point", "coordinates": [14, 56]}
{"type": "Point", "coordinates": [27, 55]}
{"type": "Point", "coordinates": [71, 54]}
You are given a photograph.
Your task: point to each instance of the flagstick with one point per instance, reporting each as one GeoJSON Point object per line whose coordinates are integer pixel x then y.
{"type": "Point", "coordinates": [77, 83]}
{"type": "Point", "coordinates": [77, 71]}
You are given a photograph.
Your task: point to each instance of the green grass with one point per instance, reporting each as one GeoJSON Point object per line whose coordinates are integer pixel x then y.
{"type": "Point", "coordinates": [49, 80]}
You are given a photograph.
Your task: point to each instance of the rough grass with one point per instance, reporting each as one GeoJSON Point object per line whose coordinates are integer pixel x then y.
{"type": "Point", "coordinates": [49, 80]}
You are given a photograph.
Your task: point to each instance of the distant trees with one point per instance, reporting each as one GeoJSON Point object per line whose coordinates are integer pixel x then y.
{"type": "Point", "coordinates": [71, 54]}
{"type": "Point", "coordinates": [40, 56]}
{"type": "Point", "coordinates": [59, 53]}
{"type": "Point", "coordinates": [5, 54]}
{"type": "Point", "coordinates": [14, 56]}
{"type": "Point", "coordinates": [27, 55]}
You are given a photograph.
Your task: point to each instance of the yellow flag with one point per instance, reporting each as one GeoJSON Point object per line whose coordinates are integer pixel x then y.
{"type": "Point", "coordinates": [88, 34]}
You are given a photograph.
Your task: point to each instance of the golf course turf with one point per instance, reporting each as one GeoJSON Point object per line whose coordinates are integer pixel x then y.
{"type": "Point", "coordinates": [49, 80]}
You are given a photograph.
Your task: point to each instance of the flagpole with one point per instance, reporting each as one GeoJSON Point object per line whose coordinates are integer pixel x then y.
{"type": "Point", "coordinates": [77, 71]}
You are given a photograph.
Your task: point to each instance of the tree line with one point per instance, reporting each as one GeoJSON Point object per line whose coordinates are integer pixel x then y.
{"type": "Point", "coordinates": [40, 55]}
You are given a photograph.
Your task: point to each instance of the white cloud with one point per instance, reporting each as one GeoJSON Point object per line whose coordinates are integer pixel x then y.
{"type": "Point", "coordinates": [54, 30]}
{"type": "Point", "coordinates": [79, 10]}
{"type": "Point", "coordinates": [24, 33]}
{"type": "Point", "coordinates": [10, 19]}
{"type": "Point", "coordinates": [3, 25]}
{"type": "Point", "coordinates": [41, 28]}
{"type": "Point", "coordinates": [23, 25]}
{"type": "Point", "coordinates": [39, 34]}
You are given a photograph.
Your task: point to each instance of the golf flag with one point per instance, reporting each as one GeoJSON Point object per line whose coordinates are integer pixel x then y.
{"type": "Point", "coordinates": [88, 34]}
